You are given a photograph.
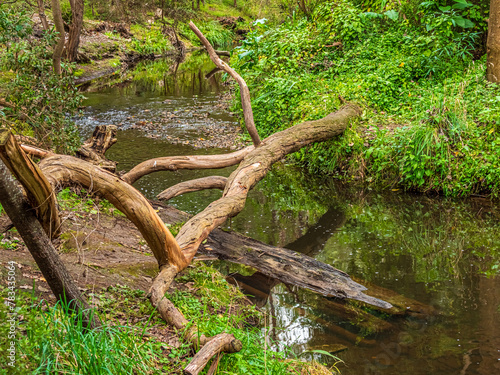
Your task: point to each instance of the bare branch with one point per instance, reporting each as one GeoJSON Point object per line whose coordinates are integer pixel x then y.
{"type": "Point", "coordinates": [173, 163]}
{"type": "Point", "coordinates": [204, 183]}
{"type": "Point", "coordinates": [244, 91]}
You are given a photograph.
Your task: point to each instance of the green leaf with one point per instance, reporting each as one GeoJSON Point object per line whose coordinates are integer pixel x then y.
{"type": "Point", "coordinates": [392, 14]}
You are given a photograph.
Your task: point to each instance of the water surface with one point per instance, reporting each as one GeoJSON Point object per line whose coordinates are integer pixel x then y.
{"type": "Point", "coordinates": [431, 253]}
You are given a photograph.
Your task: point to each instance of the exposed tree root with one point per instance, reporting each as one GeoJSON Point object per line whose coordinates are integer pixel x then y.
{"type": "Point", "coordinates": [204, 183]}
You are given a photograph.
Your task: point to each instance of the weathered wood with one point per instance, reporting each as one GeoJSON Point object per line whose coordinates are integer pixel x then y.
{"type": "Point", "coordinates": [280, 264]}
{"type": "Point", "coordinates": [38, 189]}
{"type": "Point", "coordinates": [244, 91]}
{"type": "Point", "coordinates": [204, 183]}
{"type": "Point", "coordinates": [64, 170]}
{"type": "Point", "coordinates": [40, 246]}
{"type": "Point", "coordinates": [289, 267]}
{"type": "Point", "coordinates": [223, 342]}
{"type": "Point", "coordinates": [93, 150]}
{"type": "Point", "coordinates": [253, 168]}
{"type": "Point", "coordinates": [174, 163]}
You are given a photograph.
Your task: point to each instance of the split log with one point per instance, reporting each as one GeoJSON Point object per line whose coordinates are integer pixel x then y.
{"type": "Point", "coordinates": [37, 188]}
{"type": "Point", "coordinates": [220, 343]}
{"type": "Point", "coordinates": [174, 163]}
{"type": "Point", "coordinates": [41, 248]}
{"type": "Point", "coordinates": [204, 183]}
{"type": "Point", "coordinates": [35, 151]}
{"type": "Point", "coordinates": [244, 91]}
{"type": "Point", "coordinates": [64, 170]}
{"type": "Point", "coordinates": [93, 150]}
{"type": "Point", "coordinates": [223, 53]}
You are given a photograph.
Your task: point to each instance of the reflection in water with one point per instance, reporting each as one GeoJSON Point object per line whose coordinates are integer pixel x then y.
{"type": "Point", "coordinates": [428, 255]}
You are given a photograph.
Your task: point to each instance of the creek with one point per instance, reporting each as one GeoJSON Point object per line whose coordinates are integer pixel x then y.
{"type": "Point", "coordinates": [429, 254]}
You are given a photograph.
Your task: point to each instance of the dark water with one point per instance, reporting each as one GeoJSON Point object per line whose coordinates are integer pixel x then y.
{"type": "Point", "coordinates": [430, 255]}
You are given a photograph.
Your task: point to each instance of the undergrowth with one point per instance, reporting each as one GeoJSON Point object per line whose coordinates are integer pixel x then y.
{"type": "Point", "coordinates": [51, 339]}
{"type": "Point", "coordinates": [430, 120]}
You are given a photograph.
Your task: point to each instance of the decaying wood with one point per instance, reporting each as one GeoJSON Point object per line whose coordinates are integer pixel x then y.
{"type": "Point", "coordinates": [62, 170]}
{"type": "Point", "coordinates": [253, 168]}
{"type": "Point", "coordinates": [289, 267]}
{"type": "Point", "coordinates": [204, 183]}
{"type": "Point", "coordinates": [223, 342]}
{"type": "Point", "coordinates": [244, 91]}
{"type": "Point", "coordinates": [174, 163]}
{"type": "Point", "coordinates": [38, 243]}
{"type": "Point", "coordinates": [35, 151]}
{"type": "Point", "coordinates": [93, 150]}
{"type": "Point", "coordinates": [38, 189]}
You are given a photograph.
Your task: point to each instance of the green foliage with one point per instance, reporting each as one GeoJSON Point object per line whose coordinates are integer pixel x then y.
{"type": "Point", "coordinates": [149, 40]}
{"type": "Point", "coordinates": [217, 34]}
{"type": "Point", "coordinates": [430, 120]}
{"type": "Point", "coordinates": [43, 100]}
{"type": "Point", "coordinates": [52, 340]}
{"type": "Point", "coordinates": [79, 202]}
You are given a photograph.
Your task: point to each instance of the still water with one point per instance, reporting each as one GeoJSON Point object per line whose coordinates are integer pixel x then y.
{"type": "Point", "coordinates": [428, 256]}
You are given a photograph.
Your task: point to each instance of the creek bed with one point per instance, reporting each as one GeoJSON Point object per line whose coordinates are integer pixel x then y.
{"type": "Point", "coordinates": [430, 254]}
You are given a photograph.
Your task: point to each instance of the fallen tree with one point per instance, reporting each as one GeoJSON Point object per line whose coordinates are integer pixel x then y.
{"type": "Point", "coordinates": [174, 254]}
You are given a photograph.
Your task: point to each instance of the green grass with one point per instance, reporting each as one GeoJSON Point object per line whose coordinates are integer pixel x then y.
{"type": "Point", "coordinates": [50, 339]}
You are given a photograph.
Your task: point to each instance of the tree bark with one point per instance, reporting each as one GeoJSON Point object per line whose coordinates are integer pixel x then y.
{"type": "Point", "coordinates": [77, 8]}
{"type": "Point", "coordinates": [67, 170]}
{"type": "Point", "coordinates": [58, 49]}
{"type": "Point", "coordinates": [220, 343]}
{"type": "Point", "coordinates": [253, 168]}
{"type": "Point", "coordinates": [174, 163]}
{"type": "Point", "coordinates": [38, 189]}
{"type": "Point", "coordinates": [493, 43]}
{"type": "Point", "coordinates": [211, 182]}
{"type": "Point", "coordinates": [40, 247]}
{"type": "Point", "coordinates": [244, 91]}
{"type": "Point", "coordinates": [93, 150]}
{"type": "Point", "coordinates": [41, 14]}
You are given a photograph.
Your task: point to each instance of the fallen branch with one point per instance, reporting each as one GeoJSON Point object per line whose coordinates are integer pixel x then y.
{"type": "Point", "coordinates": [253, 168]}
{"type": "Point", "coordinates": [244, 91]}
{"type": "Point", "coordinates": [93, 150]}
{"type": "Point", "coordinates": [174, 163]}
{"type": "Point", "coordinates": [218, 344]}
{"type": "Point", "coordinates": [204, 183]}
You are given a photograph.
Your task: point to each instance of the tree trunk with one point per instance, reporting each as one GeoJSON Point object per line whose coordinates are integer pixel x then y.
{"type": "Point", "coordinates": [58, 49]}
{"type": "Point", "coordinates": [77, 8]}
{"type": "Point", "coordinates": [40, 246]}
{"type": "Point", "coordinates": [493, 44]}
{"type": "Point", "coordinates": [41, 14]}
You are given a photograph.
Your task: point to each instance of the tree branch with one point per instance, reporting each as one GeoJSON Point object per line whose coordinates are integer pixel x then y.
{"type": "Point", "coordinates": [244, 91]}
{"type": "Point", "coordinates": [212, 182]}
{"type": "Point", "coordinates": [173, 163]}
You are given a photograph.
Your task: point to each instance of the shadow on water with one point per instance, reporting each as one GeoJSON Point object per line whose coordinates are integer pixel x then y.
{"type": "Point", "coordinates": [428, 256]}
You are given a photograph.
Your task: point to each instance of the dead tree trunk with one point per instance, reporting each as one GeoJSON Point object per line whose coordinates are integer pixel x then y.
{"type": "Point", "coordinates": [40, 246]}
{"type": "Point", "coordinates": [38, 189]}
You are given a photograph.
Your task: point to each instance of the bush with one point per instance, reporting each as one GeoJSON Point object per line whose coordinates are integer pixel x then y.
{"type": "Point", "coordinates": [43, 101]}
